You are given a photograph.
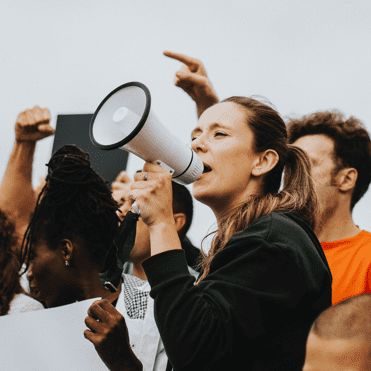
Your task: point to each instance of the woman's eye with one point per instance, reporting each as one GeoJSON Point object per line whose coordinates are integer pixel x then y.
{"type": "Point", "coordinates": [220, 134]}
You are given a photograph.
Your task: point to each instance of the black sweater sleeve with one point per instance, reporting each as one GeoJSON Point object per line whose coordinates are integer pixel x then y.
{"type": "Point", "coordinates": [251, 282]}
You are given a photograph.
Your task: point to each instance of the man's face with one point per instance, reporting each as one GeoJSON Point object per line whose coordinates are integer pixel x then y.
{"type": "Point", "coordinates": [320, 150]}
{"type": "Point", "coordinates": [336, 354]}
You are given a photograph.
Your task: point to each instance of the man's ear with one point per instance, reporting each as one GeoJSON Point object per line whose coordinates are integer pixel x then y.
{"type": "Point", "coordinates": [67, 249]}
{"type": "Point", "coordinates": [180, 220]}
{"type": "Point", "coordinates": [265, 162]}
{"type": "Point", "coordinates": [346, 179]}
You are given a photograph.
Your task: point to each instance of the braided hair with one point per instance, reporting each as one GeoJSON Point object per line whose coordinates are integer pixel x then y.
{"type": "Point", "coordinates": [75, 203]}
{"type": "Point", "coordinates": [9, 265]}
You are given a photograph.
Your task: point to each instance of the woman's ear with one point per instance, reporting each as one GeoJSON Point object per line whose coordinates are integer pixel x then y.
{"type": "Point", "coordinates": [180, 220]}
{"type": "Point", "coordinates": [265, 162]}
{"type": "Point", "coordinates": [67, 250]}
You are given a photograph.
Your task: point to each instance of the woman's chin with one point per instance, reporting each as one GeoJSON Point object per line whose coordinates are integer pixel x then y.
{"type": "Point", "coordinates": [202, 194]}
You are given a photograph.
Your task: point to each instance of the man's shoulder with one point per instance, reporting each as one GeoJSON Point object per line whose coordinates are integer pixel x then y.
{"type": "Point", "coordinates": [360, 243]}
{"type": "Point", "coordinates": [365, 241]}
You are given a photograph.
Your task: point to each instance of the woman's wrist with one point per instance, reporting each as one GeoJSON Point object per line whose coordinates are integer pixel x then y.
{"type": "Point", "coordinates": [163, 237]}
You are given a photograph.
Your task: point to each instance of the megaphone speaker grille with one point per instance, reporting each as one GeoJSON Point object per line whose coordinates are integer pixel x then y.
{"type": "Point", "coordinates": [120, 116]}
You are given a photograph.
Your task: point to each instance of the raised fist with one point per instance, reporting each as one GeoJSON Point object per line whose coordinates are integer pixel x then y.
{"type": "Point", "coordinates": [33, 124]}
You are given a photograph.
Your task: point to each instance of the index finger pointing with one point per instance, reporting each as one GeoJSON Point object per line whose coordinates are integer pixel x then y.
{"type": "Point", "coordinates": [186, 59]}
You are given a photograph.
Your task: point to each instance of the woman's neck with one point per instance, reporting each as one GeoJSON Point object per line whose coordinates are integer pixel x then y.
{"type": "Point", "coordinates": [92, 287]}
{"type": "Point", "coordinates": [222, 208]}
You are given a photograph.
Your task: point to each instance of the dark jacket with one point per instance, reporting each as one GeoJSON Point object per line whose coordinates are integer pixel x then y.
{"type": "Point", "coordinates": [254, 309]}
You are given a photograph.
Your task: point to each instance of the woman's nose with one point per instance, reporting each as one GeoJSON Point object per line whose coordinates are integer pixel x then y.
{"type": "Point", "coordinates": [198, 145]}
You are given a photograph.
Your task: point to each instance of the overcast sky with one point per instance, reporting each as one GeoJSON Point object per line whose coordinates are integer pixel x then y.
{"type": "Point", "coordinates": [67, 55]}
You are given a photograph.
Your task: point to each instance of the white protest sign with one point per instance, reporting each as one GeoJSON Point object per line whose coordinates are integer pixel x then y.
{"type": "Point", "coordinates": [48, 340]}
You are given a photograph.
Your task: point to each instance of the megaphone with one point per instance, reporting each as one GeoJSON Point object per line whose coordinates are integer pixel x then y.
{"type": "Point", "coordinates": [124, 120]}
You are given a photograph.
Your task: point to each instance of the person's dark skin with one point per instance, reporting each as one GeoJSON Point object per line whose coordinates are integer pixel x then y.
{"type": "Point", "coordinates": [109, 335]}
{"type": "Point", "coordinates": [67, 274]}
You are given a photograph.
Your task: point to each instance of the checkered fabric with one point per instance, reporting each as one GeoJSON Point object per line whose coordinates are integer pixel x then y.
{"type": "Point", "coordinates": [135, 297]}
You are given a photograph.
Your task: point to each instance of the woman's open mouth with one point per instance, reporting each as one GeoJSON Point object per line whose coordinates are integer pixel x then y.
{"type": "Point", "coordinates": [207, 168]}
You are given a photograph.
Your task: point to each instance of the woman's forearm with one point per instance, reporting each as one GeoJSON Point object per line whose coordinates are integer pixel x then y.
{"type": "Point", "coordinates": [164, 237]}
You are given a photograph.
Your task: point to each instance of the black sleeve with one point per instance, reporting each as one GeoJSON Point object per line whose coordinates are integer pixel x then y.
{"type": "Point", "coordinates": [201, 324]}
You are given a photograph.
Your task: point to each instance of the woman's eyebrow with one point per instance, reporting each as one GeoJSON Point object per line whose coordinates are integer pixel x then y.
{"type": "Point", "coordinates": [214, 125]}
{"type": "Point", "coordinates": [195, 130]}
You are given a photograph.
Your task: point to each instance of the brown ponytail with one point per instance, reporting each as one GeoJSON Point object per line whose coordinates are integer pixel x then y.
{"type": "Point", "coordinates": [297, 193]}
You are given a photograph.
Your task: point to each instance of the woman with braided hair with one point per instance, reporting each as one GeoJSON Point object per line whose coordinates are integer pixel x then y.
{"type": "Point", "coordinates": [70, 239]}
{"type": "Point", "coordinates": [12, 298]}
{"type": "Point", "coordinates": [72, 229]}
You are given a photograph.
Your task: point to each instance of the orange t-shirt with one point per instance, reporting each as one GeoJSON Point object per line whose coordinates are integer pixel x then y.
{"type": "Point", "coordinates": [350, 265]}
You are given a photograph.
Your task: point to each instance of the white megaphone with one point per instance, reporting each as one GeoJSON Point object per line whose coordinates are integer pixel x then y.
{"type": "Point", "coordinates": [124, 120]}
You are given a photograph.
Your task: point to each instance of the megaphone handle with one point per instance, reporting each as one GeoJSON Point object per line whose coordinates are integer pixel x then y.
{"type": "Point", "coordinates": [165, 166]}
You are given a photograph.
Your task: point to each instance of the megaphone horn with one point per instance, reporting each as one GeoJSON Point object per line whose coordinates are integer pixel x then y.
{"type": "Point", "coordinates": [124, 119]}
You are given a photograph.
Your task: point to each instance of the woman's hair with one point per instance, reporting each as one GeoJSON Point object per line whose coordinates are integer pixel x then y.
{"type": "Point", "coordinates": [75, 204]}
{"type": "Point", "coordinates": [297, 193]}
{"type": "Point", "coordinates": [9, 264]}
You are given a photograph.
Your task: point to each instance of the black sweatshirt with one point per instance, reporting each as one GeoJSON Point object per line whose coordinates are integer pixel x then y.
{"type": "Point", "coordinates": [254, 309]}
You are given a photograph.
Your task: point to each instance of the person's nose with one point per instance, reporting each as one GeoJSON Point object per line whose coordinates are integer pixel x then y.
{"type": "Point", "coordinates": [198, 144]}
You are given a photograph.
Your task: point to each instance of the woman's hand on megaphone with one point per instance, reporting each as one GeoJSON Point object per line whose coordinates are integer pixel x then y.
{"type": "Point", "coordinates": [152, 192]}
{"type": "Point", "coordinates": [193, 79]}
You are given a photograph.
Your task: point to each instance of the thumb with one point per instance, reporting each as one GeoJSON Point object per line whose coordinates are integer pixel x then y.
{"type": "Point", "coordinates": [45, 128]}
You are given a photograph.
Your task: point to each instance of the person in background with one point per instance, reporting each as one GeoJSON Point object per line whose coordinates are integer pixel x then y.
{"type": "Point", "coordinates": [340, 152]}
{"type": "Point", "coordinates": [17, 196]}
{"type": "Point", "coordinates": [70, 239]}
{"type": "Point", "coordinates": [183, 216]}
{"type": "Point", "coordinates": [340, 338]}
{"type": "Point", "coordinates": [135, 304]}
{"type": "Point", "coordinates": [12, 297]}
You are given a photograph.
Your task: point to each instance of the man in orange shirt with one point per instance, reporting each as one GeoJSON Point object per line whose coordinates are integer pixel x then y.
{"type": "Point", "coordinates": [340, 153]}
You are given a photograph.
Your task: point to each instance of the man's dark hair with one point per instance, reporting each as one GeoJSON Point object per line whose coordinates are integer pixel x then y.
{"type": "Point", "coordinates": [75, 203]}
{"type": "Point", "coordinates": [352, 143]}
{"type": "Point", "coordinates": [347, 319]}
{"type": "Point", "coordinates": [182, 203]}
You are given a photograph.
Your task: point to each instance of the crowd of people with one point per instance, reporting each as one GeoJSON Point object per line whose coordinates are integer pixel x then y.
{"type": "Point", "coordinates": [285, 283]}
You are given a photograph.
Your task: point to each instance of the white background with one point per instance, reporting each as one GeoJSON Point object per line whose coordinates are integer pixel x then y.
{"type": "Point", "coordinates": [67, 55]}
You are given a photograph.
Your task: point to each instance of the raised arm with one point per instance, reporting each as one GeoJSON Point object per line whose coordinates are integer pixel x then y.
{"type": "Point", "coordinates": [193, 79]}
{"type": "Point", "coordinates": [17, 197]}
